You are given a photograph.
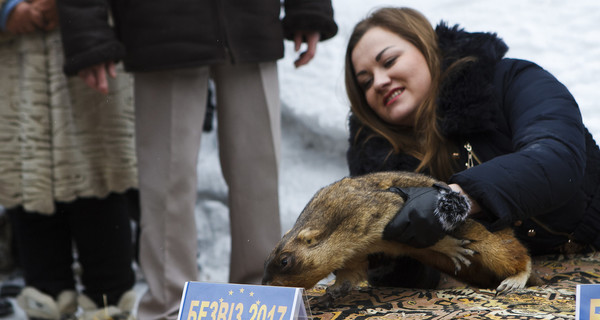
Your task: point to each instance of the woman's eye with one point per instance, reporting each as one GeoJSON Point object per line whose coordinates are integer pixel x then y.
{"type": "Point", "coordinates": [389, 62]}
{"type": "Point", "coordinates": [366, 84]}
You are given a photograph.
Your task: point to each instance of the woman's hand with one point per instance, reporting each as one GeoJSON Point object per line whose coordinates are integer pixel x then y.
{"type": "Point", "coordinates": [475, 208]}
{"type": "Point", "coordinates": [23, 19]}
{"type": "Point", "coordinates": [27, 17]}
{"type": "Point", "coordinates": [95, 77]}
{"type": "Point", "coordinates": [427, 215]}
{"type": "Point", "coordinates": [311, 38]}
{"type": "Point", "coordinates": [49, 13]}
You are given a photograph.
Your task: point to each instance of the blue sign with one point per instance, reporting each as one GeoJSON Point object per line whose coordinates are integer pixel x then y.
{"type": "Point", "coordinates": [219, 301]}
{"type": "Point", "coordinates": [588, 302]}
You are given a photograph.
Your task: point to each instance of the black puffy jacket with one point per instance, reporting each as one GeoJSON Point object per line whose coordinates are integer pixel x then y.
{"type": "Point", "coordinates": [539, 167]}
{"type": "Point", "coordinates": [165, 34]}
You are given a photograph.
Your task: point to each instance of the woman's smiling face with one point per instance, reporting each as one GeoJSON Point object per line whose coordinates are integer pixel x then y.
{"type": "Point", "coordinates": [393, 74]}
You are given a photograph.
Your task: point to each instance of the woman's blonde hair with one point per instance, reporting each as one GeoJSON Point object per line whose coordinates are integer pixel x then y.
{"type": "Point", "coordinates": [424, 140]}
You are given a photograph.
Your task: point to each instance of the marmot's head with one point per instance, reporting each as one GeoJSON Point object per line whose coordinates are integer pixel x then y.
{"type": "Point", "coordinates": [341, 221]}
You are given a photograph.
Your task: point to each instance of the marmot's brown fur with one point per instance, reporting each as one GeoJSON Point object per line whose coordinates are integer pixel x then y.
{"type": "Point", "coordinates": [344, 222]}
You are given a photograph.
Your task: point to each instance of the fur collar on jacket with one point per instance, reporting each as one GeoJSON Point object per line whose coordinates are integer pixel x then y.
{"type": "Point", "coordinates": [467, 101]}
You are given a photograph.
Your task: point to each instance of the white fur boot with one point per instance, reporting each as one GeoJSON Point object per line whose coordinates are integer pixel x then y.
{"type": "Point", "coordinates": [39, 305]}
{"type": "Point", "coordinates": [122, 311]}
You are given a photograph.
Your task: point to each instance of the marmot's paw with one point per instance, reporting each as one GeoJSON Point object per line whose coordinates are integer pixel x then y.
{"type": "Point", "coordinates": [511, 284]}
{"type": "Point", "coordinates": [333, 293]}
{"type": "Point", "coordinates": [452, 208]}
{"type": "Point", "coordinates": [455, 250]}
{"type": "Point", "coordinates": [516, 282]}
{"type": "Point", "coordinates": [323, 302]}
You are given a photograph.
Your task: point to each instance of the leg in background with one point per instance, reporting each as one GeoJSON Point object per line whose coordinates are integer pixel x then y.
{"type": "Point", "coordinates": [102, 232]}
{"type": "Point", "coordinates": [248, 114]}
{"type": "Point", "coordinates": [170, 109]}
{"type": "Point", "coordinates": [45, 249]}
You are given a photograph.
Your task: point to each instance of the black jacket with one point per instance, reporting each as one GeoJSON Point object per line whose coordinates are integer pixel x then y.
{"type": "Point", "coordinates": [153, 35]}
{"type": "Point", "coordinates": [540, 167]}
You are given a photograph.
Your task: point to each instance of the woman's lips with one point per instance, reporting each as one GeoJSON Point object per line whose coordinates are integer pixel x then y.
{"type": "Point", "coordinates": [392, 96]}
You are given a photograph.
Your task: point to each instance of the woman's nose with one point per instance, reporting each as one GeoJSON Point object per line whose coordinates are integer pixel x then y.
{"type": "Point", "coordinates": [381, 80]}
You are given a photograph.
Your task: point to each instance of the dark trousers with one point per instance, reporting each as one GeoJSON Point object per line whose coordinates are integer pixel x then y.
{"type": "Point", "coordinates": [100, 230]}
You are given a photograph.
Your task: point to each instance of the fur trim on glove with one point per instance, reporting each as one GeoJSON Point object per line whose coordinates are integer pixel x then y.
{"type": "Point", "coordinates": [452, 208]}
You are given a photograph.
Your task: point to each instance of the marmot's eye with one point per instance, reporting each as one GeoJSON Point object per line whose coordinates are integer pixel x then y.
{"type": "Point", "coordinates": [286, 262]}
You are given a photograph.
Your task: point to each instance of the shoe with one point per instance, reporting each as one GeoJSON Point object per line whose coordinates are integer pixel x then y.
{"type": "Point", "coordinates": [6, 308]}
{"type": "Point", "coordinates": [38, 305]}
{"type": "Point", "coordinates": [122, 311]}
{"type": "Point", "coordinates": [10, 290]}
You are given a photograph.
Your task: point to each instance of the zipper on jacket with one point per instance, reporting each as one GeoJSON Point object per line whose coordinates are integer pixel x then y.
{"type": "Point", "coordinates": [570, 246]}
{"type": "Point", "coordinates": [471, 156]}
{"type": "Point", "coordinates": [569, 236]}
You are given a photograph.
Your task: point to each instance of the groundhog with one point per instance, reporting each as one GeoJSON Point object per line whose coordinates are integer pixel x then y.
{"type": "Point", "coordinates": [343, 224]}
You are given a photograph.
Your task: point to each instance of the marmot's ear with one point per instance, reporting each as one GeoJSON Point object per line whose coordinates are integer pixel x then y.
{"type": "Point", "coordinates": [308, 236]}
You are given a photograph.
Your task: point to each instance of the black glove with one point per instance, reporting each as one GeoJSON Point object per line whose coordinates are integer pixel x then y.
{"type": "Point", "coordinates": [428, 213]}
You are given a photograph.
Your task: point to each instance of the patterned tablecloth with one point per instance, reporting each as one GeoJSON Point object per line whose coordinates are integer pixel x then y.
{"type": "Point", "coordinates": [455, 300]}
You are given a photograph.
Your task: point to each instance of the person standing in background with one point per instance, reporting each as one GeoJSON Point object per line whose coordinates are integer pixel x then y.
{"type": "Point", "coordinates": [68, 172]}
{"type": "Point", "coordinates": [173, 47]}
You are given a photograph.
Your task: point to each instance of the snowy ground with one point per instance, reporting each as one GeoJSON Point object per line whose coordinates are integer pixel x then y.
{"type": "Point", "coordinates": [561, 36]}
